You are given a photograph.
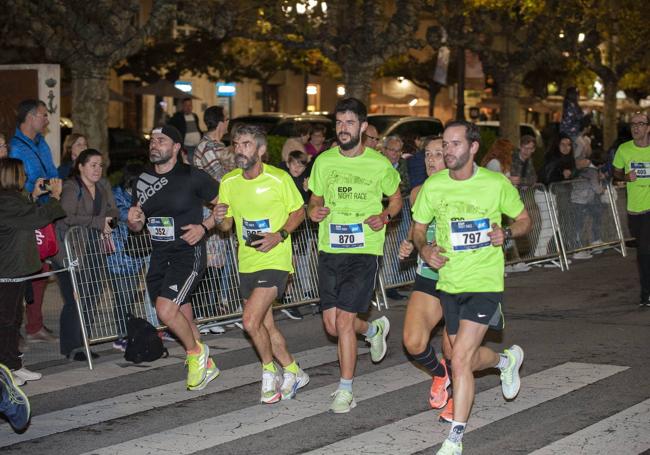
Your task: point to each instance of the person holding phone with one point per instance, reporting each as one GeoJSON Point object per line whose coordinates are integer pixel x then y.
{"type": "Point", "coordinates": [266, 207]}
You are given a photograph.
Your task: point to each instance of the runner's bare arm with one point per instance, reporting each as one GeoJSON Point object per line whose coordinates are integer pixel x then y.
{"type": "Point", "coordinates": [620, 175]}
{"type": "Point", "coordinates": [316, 209]}
{"type": "Point", "coordinates": [223, 222]}
{"type": "Point", "coordinates": [521, 226]}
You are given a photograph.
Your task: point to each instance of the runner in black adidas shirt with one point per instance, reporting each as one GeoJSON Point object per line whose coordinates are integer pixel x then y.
{"type": "Point", "coordinates": [170, 198]}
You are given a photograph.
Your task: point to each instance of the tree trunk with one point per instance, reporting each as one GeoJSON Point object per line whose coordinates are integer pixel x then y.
{"type": "Point", "coordinates": [434, 89]}
{"type": "Point", "coordinates": [460, 87]}
{"type": "Point", "coordinates": [90, 107]}
{"type": "Point", "coordinates": [509, 86]}
{"type": "Point", "coordinates": [358, 80]}
{"type": "Point", "coordinates": [609, 118]}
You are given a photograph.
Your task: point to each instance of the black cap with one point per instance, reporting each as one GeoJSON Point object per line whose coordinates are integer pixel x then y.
{"type": "Point", "coordinates": [171, 132]}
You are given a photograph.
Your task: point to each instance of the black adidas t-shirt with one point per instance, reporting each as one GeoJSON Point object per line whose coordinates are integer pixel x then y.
{"type": "Point", "coordinates": [173, 200]}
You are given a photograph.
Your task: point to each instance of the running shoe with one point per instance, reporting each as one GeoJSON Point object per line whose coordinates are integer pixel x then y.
{"type": "Point", "coordinates": [447, 414]}
{"type": "Point", "coordinates": [197, 366]}
{"type": "Point", "coordinates": [13, 402]}
{"type": "Point", "coordinates": [211, 373]}
{"type": "Point", "coordinates": [450, 448]}
{"type": "Point", "coordinates": [26, 375]}
{"type": "Point", "coordinates": [271, 383]}
{"type": "Point", "coordinates": [377, 342]}
{"type": "Point", "coordinates": [510, 380]}
{"type": "Point", "coordinates": [293, 382]}
{"type": "Point", "coordinates": [438, 394]}
{"type": "Point", "coordinates": [343, 402]}
{"type": "Point", "coordinates": [292, 313]}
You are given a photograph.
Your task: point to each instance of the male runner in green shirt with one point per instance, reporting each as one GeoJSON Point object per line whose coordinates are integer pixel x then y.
{"type": "Point", "coordinates": [348, 183]}
{"type": "Point", "coordinates": [266, 207]}
{"type": "Point", "coordinates": [632, 165]}
{"type": "Point", "coordinates": [467, 203]}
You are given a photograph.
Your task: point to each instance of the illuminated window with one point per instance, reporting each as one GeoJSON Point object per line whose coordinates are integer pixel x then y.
{"type": "Point", "coordinates": [313, 97]}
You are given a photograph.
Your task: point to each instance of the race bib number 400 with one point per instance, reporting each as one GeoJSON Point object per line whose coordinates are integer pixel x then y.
{"type": "Point", "coordinates": [347, 236]}
{"type": "Point", "coordinates": [255, 227]}
{"type": "Point", "coordinates": [161, 228]}
{"type": "Point", "coordinates": [642, 170]}
{"type": "Point", "coordinates": [470, 234]}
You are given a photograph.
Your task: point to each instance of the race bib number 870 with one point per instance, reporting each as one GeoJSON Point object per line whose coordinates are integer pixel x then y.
{"type": "Point", "coordinates": [347, 236]}
{"type": "Point", "coordinates": [470, 234]}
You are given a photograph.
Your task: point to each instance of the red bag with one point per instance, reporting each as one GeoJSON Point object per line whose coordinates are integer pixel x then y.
{"type": "Point", "coordinates": [46, 241]}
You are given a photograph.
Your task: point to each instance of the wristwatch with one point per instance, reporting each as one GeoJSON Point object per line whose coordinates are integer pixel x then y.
{"type": "Point", "coordinates": [507, 233]}
{"type": "Point", "coordinates": [284, 234]}
{"type": "Point", "coordinates": [388, 218]}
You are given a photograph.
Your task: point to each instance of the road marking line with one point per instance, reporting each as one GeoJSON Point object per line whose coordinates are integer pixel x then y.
{"type": "Point", "coordinates": [625, 432]}
{"type": "Point", "coordinates": [422, 430]}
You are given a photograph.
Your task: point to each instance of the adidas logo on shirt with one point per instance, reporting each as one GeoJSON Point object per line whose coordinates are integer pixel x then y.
{"type": "Point", "coordinates": [148, 185]}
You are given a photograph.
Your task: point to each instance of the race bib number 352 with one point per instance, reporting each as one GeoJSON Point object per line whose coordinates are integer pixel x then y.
{"type": "Point", "coordinates": [470, 234]}
{"type": "Point", "coordinates": [347, 236]}
{"type": "Point", "coordinates": [161, 228]}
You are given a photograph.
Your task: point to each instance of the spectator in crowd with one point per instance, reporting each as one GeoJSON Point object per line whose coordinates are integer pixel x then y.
{"type": "Point", "coordinates": [316, 142]}
{"type": "Point", "coordinates": [582, 141]}
{"type": "Point", "coordinates": [298, 142]}
{"type": "Point", "coordinates": [125, 266]}
{"type": "Point", "coordinates": [499, 157]}
{"type": "Point", "coordinates": [19, 256]}
{"type": "Point", "coordinates": [416, 166]}
{"type": "Point", "coordinates": [571, 114]}
{"type": "Point", "coordinates": [392, 148]}
{"type": "Point", "coordinates": [187, 123]}
{"type": "Point", "coordinates": [522, 169]}
{"type": "Point", "coordinates": [88, 201]}
{"type": "Point", "coordinates": [371, 137]}
{"type": "Point", "coordinates": [211, 154]}
{"type": "Point", "coordinates": [73, 145]}
{"type": "Point", "coordinates": [29, 146]}
{"type": "Point", "coordinates": [4, 147]}
{"type": "Point", "coordinates": [559, 162]}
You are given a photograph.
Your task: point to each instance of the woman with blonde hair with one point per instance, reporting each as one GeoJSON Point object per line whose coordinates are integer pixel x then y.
{"type": "Point", "coordinates": [19, 256]}
{"type": "Point", "coordinates": [499, 157]}
{"type": "Point", "coordinates": [73, 145]}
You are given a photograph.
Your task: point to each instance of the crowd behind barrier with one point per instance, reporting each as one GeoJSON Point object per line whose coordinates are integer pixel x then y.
{"type": "Point", "coordinates": [108, 274]}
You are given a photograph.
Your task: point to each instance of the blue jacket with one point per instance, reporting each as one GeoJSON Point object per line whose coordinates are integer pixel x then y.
{"type": "Point", "coordinates": [36, 157]}
{"type": "Point", "coordinates": [120, 263]}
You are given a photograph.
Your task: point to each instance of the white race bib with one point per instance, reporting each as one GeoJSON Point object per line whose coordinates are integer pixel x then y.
{"type": "Point", "coordinates": [470, 234]}
{"type": "Point", "coordinates": [347, 236]}
{"type": "Point", "coordinates": [161, 228]}
{"type": "Point", "coordinates": [255, 227]}
{"type": "Point", "coordinates": [642, 170]}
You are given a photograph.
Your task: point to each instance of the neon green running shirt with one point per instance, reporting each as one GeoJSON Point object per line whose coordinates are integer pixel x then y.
{"type": "Point", "coordinates": [628, 157]}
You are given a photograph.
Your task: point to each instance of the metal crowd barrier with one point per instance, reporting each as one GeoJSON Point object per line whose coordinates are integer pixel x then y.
{"type": "Point", "coordinates": [588, 219]}
{"type": "Point", "coordinates": [108, 274]}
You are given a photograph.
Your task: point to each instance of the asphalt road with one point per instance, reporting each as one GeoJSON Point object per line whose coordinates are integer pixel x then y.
{"type": "Point", "coordinates": [585, 387]}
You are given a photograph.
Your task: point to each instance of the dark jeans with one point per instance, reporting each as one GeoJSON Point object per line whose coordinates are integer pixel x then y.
{"type": "Point", "coordinates": [11, 317]}
{"type": "Point", "coordinates": [640, 229]}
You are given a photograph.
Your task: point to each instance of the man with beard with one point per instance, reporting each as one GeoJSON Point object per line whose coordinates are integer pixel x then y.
{"type": "Point", "coordinates": [266, 207]}
{"type": "Point", "coordinates": [348, 183]}
{"type": "Point", "coordinates": [467, 203]}
{"type": "Point", "coordinates": [169, 199]}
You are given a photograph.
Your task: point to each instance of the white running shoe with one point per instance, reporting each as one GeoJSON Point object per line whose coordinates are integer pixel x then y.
{"type": "Point", "coordinates": [271, 383]}
{"type": "Point", "coordinates": [26, 375]}
{"type": "Point", "coordinates": [510, 380]}
{"type": "Point", "coordinates": [293, 382]}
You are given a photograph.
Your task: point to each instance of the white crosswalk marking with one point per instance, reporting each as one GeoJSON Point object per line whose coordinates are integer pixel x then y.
{"type": "Point", "coordinates": [421, 430]}
{"type": "Point", "coordinates": [208, 433]}
{"type": "Point", "coordinates": [625, 432]}
{"type": "Point", "coordinates": [143, 400]}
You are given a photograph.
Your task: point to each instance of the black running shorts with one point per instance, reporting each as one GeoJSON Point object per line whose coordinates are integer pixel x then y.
{"type": "Point", "coordinates": [481, 307]}
{"type": "Point", "coordinates": [347, 281]}
{"type": "Point", "coordinates": [426, 285]}
{"type": "Point", "coordinates": [268, 278]}
{"type": "Point", "coordinates": [174, 273]}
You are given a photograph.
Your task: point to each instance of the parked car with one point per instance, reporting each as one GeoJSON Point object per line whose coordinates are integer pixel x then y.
{"type": "Point", "coordinates": [383, 121]}
{"type": "Point", "coordinates": [524, 129]}
{"type": "Point", "coordinates": [414, 126]}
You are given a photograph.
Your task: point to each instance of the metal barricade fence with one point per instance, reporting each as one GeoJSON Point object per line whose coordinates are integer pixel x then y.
{"type": "Point", "coordinates": [395, 273]}
{"type": "Point", "coordinates": [619, 194]}
{"type": "Point", "coordinates": [542, 243]}
{"type": "Point", "coordinates": [588, 218]}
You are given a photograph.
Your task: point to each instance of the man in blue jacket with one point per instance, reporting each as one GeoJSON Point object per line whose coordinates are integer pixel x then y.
{"type": "Point", "coordinates": [28, 143]}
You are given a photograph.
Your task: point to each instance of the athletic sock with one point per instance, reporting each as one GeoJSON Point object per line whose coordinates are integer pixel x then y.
{"type": "Point", "coordinates": [457, 431]}
{"type": "Point", "coordinates": [269, 367]}
{"type": "Point", "coordinates": [345, 384]}
{"type": "Point", "coordinates": [504, 361]}
{"type": "Point", "coordinates": [292, 368]}
{"type": "Point", "coordinates": [372, 330]}
{"type": "Point", "coordinates": [429, 361]}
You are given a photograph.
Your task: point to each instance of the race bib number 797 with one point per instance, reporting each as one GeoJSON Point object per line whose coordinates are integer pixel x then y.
{"type": "Point", "coordinates": [470, 234]}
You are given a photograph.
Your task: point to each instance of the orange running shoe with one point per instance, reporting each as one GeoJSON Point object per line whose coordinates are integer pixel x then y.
{"type": "Point", "coordinates": [447, 414]}
{"type": "Point", "coordinates": [438, 395]}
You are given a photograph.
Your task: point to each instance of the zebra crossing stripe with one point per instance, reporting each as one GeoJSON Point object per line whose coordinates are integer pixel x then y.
{"type": "Point", "coordinates": [155, 397]}
{"type": "Point", "coordinates": [211, 432]}
{"type": "Point", "coordinates": [110, 370]}
{"type": "Point", "coordinates": [422, 430]}
{"type": "Point", "coordinates": [625, 432]}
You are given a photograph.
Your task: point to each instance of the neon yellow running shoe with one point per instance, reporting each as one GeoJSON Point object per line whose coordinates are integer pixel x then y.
{"type": "Point", "coordinates": [213, 372]}
{"type": "Point", "coordinates": [450, 448]}
{"type": "Point", "coordinates": [197, 366]}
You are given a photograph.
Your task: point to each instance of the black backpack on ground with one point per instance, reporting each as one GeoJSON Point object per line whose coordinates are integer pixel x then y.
{"type": "Point", "coordinates": [143, 342]}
